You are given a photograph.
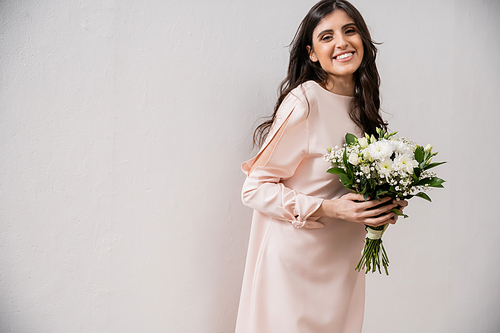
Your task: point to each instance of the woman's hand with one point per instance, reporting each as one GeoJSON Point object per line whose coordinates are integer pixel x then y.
{"type": "Point", "coordinates": [353, 207]}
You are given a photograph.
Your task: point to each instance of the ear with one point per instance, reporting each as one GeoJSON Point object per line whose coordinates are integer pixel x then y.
{"type": "Point", "coordinates": [312, 55]}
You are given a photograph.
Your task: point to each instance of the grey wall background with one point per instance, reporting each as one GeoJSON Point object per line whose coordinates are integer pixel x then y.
{"type": "Point", "coordinates": [122, 128]}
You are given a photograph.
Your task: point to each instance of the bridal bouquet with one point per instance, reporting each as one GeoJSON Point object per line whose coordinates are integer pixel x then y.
{"type": "Point", "coordinates": [383, 166]}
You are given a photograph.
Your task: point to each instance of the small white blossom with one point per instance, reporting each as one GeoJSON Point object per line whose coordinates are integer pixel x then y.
{"type": "Point", "coordinates": [365, 169]}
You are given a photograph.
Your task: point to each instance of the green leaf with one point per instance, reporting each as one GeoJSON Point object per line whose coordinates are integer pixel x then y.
{"type": "Point", "coordinates": [346, 181]}
{"type": "Point", "coordinates": [416, 174]}
{"type": "Point", "coordinates": [350, 138]}
{"type": "Point", "coordinates": [419, 154]}
{"type": "Point", "coordinates": [432, 182]}
{"type": "Point", "coordinates": [432, 165]}
{"type": "Point", "coordinates": [437, 182]}
{"type": "Point", "coordinates": [423, 181]}
{"type": "Point", "coordinates": [348, 166]}
{"type": "Point", "coordinates": [382, 193]}
{"type": "Point", "coordinates": [344, 177]}
{"type": "Point", "coordinates": [423, 196]}
{"type": "Point", "coordinates": [336, 171]}
{"type": "Point", "coordinates": [399, 213]}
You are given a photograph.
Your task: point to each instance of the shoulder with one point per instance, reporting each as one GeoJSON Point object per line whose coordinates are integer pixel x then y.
{"type": "Point", "coordinates": [300, 100]}
{"type": "Point", "coordinates": [305, 92]}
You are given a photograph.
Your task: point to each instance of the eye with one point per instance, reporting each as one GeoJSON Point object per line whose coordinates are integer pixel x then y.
{"type": "Point", "coordinates": [350, 31]}
{"type": "Point", "coordinates": [326, 38]}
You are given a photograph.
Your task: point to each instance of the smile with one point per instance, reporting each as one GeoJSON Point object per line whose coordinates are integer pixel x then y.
{"type": "Point", "coordinates": [343, 56]}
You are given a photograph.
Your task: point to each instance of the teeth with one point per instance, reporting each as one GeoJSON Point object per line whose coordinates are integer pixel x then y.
{"type": "Point", "coordinates": [345, 55]}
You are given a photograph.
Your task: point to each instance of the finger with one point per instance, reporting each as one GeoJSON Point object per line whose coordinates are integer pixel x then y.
{"type": "Point", "coordinates": [353, 197]}
{"type": "Point", "coordinates": [373, 203]}
{"type": "Point", "coordinates": [378, 221]}
{"type": "Point", "coordinates": [402, 203]}
{"type": "Point", "coordinates": [378, 224]}
{"type": "Point", "coordinates": [377, 211]}
{"type": "Point", "coordinates": [401, 208]}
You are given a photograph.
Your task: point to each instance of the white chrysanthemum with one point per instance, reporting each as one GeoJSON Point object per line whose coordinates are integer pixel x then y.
{"type": "Point", "coordinates": [353, 158]}
{"type": "Point", "coordinates": [380, 150]}
{"type": "Point", "coordinates": [402, 147]}
{"type": "Point", "coordinates": [384, 167]}
{"type": "Point", "coordinates": [405, 163]}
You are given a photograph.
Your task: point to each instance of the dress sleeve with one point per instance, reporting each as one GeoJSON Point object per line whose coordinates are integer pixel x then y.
{"type": "Point", "coordinates": [288, 143]}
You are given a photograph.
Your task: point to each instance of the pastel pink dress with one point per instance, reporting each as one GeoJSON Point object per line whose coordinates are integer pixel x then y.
{"type": "Point", "coordinates": [299, 274]}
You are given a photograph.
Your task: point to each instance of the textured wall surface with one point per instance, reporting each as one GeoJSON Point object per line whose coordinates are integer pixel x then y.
{"type": "Point", "coordinates": [122, 128]}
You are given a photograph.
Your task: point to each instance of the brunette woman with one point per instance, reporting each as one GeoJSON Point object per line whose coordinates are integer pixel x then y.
{"type": "Point", "coordinates": [307, 230]}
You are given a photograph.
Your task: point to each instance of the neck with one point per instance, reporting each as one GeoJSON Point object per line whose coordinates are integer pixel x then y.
{"type": "Point", "coordinates": [341, 85]}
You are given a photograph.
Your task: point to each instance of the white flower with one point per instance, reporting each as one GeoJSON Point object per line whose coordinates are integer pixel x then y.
{"type": "Point", "coordinates": [380, 150]}
{"type": "Point", "coordinates": [354, 158]}
{"type": "Point", "coordinates": [365, 169]}
{"type": "Point", "coordinates": [402, 148]}
{"type": "Point", "coordinates": [384, 167]}
{"type": "Point", "coordinates": [405, 163]}
{"type": "Point", "coordinates": [363, 142]}
{"type": "Point", "coordinates": [366, 155]}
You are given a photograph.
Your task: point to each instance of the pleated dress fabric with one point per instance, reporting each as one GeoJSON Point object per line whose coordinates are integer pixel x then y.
{"type": "Point", "coordinates": [300, 271]}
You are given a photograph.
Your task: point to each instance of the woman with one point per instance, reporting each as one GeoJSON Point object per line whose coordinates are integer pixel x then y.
{"type": "Point", "coordinates": [307, 230]}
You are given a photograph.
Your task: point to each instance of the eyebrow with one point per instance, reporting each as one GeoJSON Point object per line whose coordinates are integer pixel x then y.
{"type": "Point", "coordinates": [331, 30]}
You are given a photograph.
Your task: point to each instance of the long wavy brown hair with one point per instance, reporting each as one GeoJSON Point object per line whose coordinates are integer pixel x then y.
{"type": "Point", "coordinates": [365, 107]}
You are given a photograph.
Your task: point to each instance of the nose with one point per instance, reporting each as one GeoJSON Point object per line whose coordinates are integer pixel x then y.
{"type": "Point", "coordinates": [341, 42]}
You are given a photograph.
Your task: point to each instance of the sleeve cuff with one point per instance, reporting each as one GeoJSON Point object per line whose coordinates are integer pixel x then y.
{"type": "Point", "coordinates": [305, 206]}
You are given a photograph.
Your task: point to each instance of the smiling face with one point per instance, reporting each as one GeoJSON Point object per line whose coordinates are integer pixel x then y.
{"type": "Point", "coordinates": [337, 46]}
